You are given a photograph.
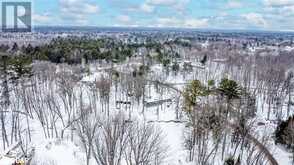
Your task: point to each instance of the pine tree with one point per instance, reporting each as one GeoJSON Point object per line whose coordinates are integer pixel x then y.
{"type": "Point", "coordinates": [14, 47]}
{"type": "Point", "coordinates": [20, 67]}
{"type": "Point", "coordinates": [4, 99]}
{"type": "Point", "coordinates": [194, 90]}
{"type": "Point", "coordinates": [230, 161]}
{"type": "Point", "coordinates": [231, 90]}
{"type": "Point", "coordinates": [284, 133]}
{"type": "Point", "coordinates": [204, 60]}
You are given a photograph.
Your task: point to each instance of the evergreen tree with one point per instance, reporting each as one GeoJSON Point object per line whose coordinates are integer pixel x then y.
{"type": "Point", "coordinates": [284, 133]}
{"type": "Point", "coordinates": [230, 161]}
{"type": "Point", "coordinates": [4, 77]}
{"type": "Point", "coordinates": [230, 89]}
{"type": "Point", "coordinates": [204, 60]}
{"type": "Point", "coordinates": [20, 67]}
{"type": "Point", "coordinates": [194, 90]}
{"type": "Point", "coordinates": [175, 67]}
{"type": "Point", "coordinates": [14, 47]}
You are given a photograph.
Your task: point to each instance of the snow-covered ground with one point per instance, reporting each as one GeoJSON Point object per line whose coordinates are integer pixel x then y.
{"type": "Point", "coordinates": [60, 152]}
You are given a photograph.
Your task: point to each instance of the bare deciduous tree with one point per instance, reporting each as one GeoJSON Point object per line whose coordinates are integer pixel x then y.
{"type": "Point", "coordinates": [111, 141]}
{"type": "Point", "coordinates": [145, 145]}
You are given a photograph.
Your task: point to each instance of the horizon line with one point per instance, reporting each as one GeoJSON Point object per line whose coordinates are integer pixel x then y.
{"type": "Point", "coordinates": [166, 28]}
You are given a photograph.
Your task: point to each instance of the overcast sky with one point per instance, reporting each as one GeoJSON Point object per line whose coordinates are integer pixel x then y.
{"type": "Point", "coordinates": [217, 14]}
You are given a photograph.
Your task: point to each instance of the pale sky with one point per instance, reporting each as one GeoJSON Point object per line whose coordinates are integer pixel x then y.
{"type": "Point", "coordinates": [213, 14]}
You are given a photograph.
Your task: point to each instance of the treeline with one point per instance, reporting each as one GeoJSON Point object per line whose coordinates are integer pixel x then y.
{"type": "Point", "coordinates": [73, 50]}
